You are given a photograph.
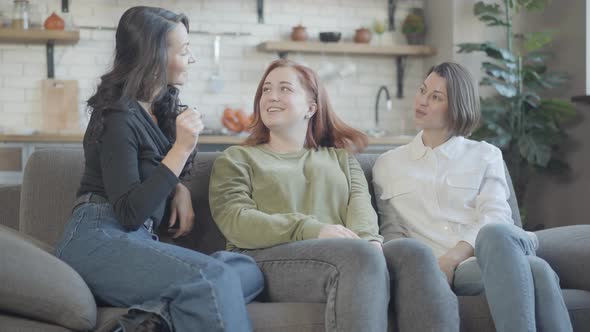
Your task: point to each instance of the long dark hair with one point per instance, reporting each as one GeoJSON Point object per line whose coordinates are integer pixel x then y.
{"type": "Point", "coordinates": [140, 71]}
{"type": "Point", "coordinates": [325, 128]}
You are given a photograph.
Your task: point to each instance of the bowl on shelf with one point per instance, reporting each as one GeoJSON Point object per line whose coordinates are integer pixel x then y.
{"type": "Point", "coordinates": [328, 37]}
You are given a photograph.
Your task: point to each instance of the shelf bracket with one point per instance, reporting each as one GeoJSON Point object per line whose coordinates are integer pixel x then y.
{"type": "Point", "coordinates": [259, 10]}
{"type": "Point", "coordinates": [400, 64]}
{"type": "Point", "coordinates": [391, 14]}
{"type": "Point", "coordinates": [283, 54]}
{"type": "Point", "coordinates": [50, 63]}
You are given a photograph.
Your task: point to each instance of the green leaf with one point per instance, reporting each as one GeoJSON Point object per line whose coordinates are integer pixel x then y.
{"type": "Point", "coordinates": [490, 49]}
{"type": "Point", "coordinates": [556, 79]}
{"type": "Point", "coordinates": [503, 89]}
{"type": "Point", "coordinates": [534, 151]}
{"type": "Point", "coordinates": [558, 109]}
{"type": "Point", "coordinates": [533, 4]}
{"type": "Point", "coordinates": [481, 8]}
{"type": "Point", "coordinates": [532, 99]}
{"type": "Point", "coordinates": [537, 57]}
{"type": "Point", "coordinates": [500, 72]}
{"type": "Point", "coordinates": [492, 21]}
{"type": "Point", "coordinates": [536, 40]}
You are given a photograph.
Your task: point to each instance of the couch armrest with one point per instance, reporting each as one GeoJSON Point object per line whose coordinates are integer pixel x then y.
{"type": "Point", "coordinates": [9, 206]}
{"type": "Point", "coordinates": [567, 250]}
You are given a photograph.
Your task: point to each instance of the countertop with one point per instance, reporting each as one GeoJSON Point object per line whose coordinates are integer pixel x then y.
{"type": "Point", "coordinates": [76, 137]}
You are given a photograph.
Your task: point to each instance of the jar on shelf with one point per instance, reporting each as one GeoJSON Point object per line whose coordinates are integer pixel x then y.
{"type": "Point", "coordinates": [20, 14]}
{"type": "Point", "coordinates": [35, 17]}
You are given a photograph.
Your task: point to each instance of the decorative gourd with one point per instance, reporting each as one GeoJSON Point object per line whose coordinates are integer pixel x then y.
{"type": "Point", "coordinates": [54, 22]}
{"type": "Point", "coordinates": [235, 120]}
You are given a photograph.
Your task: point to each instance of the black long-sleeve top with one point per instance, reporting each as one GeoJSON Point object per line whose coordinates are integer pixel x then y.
{"type": "Point", "coordinates": [124, 165]}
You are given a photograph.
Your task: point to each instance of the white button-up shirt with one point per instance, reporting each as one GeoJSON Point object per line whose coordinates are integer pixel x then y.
{"type": "Point", "coordinates": [443, 195]}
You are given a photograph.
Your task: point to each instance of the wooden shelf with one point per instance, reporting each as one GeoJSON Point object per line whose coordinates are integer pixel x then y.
{"type": "Point", "coordinates": [400, 52]}
{"type": "Point", "coordinates": [346, 48]}
{"type": "Point", "coordinates": [37, 36]}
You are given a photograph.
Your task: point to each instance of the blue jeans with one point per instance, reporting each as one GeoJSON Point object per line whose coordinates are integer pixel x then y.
{"type": "Point", "coordinates": [191, 291]}
{"type": "Point", "coordinates": [522, 290]}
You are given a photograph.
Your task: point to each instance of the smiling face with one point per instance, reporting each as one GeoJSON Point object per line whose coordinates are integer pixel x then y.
{"type": "Point", "coordinates": [431, 105]}
{"type": "Point", "coordinates": [179, 55]}
{"type": "Point", "coordinates": [284, 104]}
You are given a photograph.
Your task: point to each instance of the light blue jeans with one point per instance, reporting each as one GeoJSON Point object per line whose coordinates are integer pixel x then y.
{"type": "Point", "coordinates": [522, 290]}
{"type": "Point", "coordinates": [191, 291]}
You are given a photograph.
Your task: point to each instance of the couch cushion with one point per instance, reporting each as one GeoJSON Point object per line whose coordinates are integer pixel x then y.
{"type": "Point", "coordinates": [287, 317]}
{"type": "Point", "coordinates": [50, 181]}
{"type": "Point", "coordinates": [36, 284]}
{"type": "Point", "coordinates": [9, 202]}
{"type": "Point", "coordinates": [9, 323]}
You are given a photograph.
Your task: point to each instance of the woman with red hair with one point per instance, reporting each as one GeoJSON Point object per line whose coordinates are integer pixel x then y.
{"type": "Point", "coordinates": [295, 199]}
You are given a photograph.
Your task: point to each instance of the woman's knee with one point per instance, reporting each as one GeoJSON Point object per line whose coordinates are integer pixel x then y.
{"type": "Point", "coordinates": [365, 256]}
{"type": "Point", "coordinates": [494, 235]}
{"type": "Point", "coordinates": [245, 268]}
{"type": "Point", "coordinates": [541, 270]}
{"type": "Point", "coordinates": [408, 251]}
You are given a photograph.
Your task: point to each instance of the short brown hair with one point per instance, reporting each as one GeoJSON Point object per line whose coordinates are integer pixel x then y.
{"type": "Point", "coordinates": [325, 129]}
{"type": "Point", "coordinates": [463, 95]}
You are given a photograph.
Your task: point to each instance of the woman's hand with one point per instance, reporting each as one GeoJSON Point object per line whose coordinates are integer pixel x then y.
{"type": "Point", "coordinates": [336, 231]}
{"type": "Point", "coordinates": [188, 128]}
{"type": "Point", "coordinates": [449, 261]}
{"type": "Point", "coordinates": [181, 209]}
{"type": "Point", "coordinates": [448, 267]}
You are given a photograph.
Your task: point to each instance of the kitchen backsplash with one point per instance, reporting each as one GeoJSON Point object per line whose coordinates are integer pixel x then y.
{"type": "Point", "coordinates": [22, 67]}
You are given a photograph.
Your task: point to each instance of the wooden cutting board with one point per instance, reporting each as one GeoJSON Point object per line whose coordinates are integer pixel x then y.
{"type": "Point", "coordinates": [59, 105]}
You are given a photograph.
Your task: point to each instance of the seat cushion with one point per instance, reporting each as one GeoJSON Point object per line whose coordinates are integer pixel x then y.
{"type": "Point", "coordinates": [9, 323]}
{"type": "Point", "coordinates": [475, 313]}
{"type": "Point", "coordinates": [37, 285]}
{"type": "Point", "coordinates": [287, 317]}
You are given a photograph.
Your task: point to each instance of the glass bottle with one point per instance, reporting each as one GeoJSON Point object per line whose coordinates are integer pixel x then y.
{"type": "Point", "coordinates": [20, 14]}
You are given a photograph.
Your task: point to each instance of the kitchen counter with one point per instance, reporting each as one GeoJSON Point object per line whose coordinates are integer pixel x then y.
{"type": "Point", "coordinates": [71, 137]}
{"type": "Point", "coordinates": [16, 148]}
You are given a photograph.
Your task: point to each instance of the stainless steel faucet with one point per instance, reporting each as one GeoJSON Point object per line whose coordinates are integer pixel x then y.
{"type": "Point", "coordinates": [389, 104]}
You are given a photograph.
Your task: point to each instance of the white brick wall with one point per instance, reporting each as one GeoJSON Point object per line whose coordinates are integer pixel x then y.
{"type": "Point", "coordinates": [22, 67]}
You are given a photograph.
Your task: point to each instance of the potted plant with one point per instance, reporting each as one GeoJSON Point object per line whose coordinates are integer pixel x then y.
{"type": "Point", "coordinates": [413, 27]}
{"type": "Point", "coordinates": [524, 124]}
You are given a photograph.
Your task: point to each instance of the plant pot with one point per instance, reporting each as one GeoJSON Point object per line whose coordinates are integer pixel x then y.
{"type": "Point", "coordinates": [362, 35]}
{"type": "Point", "coordinates": [299, 33]}
{"type": "Point", "coordinates": [415, 38]}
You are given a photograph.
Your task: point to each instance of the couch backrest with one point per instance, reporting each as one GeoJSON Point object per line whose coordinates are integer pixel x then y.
{"type": "Point", "coordinates": [52, 177]}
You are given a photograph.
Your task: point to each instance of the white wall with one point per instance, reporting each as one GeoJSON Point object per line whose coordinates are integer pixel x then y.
{"type": "Point", "coordinates": [22, 67]}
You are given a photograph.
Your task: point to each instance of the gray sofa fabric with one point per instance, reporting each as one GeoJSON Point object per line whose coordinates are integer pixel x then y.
{"type": "Point", "coordinates": [42, 286]}
{"type": "Point", "coordinates": [10, 199]}
{"type": "Point", "coordinates": [51, 179]}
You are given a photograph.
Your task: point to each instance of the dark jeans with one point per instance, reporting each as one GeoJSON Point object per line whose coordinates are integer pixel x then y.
{"type": "Point", "coordinates": [191, 291]}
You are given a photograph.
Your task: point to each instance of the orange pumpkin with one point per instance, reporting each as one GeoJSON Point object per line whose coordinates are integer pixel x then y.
{"type": "Point", "coordinates": [54, 22]}
{"type": "Point", "coordinates": [236, 120]}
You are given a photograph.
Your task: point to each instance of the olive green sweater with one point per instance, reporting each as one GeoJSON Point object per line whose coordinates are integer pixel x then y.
{"type": "Point", "coordinates": [259, 198]}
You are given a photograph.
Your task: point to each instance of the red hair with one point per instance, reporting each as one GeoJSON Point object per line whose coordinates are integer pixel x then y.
{"type": "Point", "coordinates": [325, 129]}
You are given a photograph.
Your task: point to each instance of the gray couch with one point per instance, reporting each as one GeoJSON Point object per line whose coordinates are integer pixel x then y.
{"type": "Point", "coordinates": [49, 185]}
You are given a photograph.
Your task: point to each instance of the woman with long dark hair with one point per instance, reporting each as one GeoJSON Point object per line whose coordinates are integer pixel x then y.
{"type": "Point", "coordinates": [137, 145]}
{"type": "Point", "coordinates": [295, 198]}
